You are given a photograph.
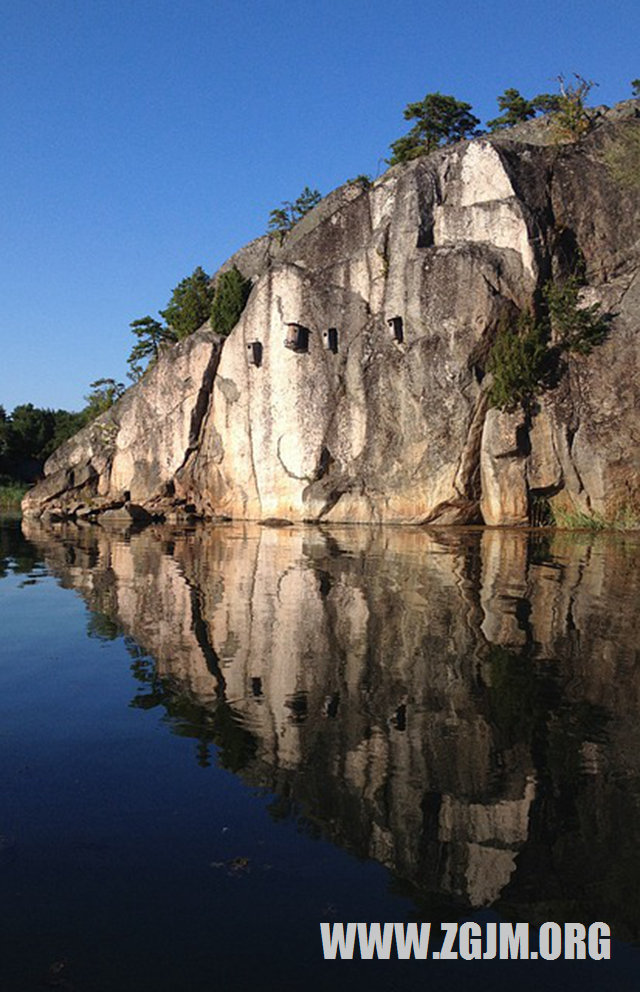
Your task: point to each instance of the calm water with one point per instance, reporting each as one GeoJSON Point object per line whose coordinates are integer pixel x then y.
{"type": "Point", "coordinates": [212, 740]}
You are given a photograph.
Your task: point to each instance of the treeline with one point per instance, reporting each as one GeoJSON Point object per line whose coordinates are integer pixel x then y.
{"type": "Point", "coordinates": [440, 119]}
{"type": "Point", "coordinates": [28, 436]}
{"type": "Point", "coordinates": [194, 301]}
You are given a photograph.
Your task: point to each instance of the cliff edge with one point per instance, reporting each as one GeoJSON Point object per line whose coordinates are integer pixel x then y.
{"type": "Point", "coordinates": [354, 387]}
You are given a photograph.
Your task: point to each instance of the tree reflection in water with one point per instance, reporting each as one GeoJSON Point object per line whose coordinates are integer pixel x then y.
{"type": "Point", "coordinates": [461, 706]}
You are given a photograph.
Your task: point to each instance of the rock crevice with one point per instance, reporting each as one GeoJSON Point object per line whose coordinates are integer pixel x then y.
{"type": "Point", "coordinates": [391, 424]}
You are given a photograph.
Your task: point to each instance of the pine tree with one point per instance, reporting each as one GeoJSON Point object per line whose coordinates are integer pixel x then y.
{"type": "Point", "coordinates": [190, 304]}
{"type": "Point", "coordinates": [515, 108]}
{"type": "Point", "coordinates": [152, 337]}
{"type": "Point", "coordinates": [440, 120]}
{"type": "Point", "coordinates": [283, 218]}
{"type": "Point", "coordinates": [231, 294]}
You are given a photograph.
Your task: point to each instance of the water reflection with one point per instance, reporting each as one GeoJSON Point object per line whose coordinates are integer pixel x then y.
{"type": "Point", "coordinates": [460, 706]}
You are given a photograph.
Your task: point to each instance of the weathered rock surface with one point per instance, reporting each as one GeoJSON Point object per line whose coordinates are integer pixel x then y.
{"type": "Point", "coordinates": [390, 423]}
{"type": "Point", "coordinates": [133, 451]}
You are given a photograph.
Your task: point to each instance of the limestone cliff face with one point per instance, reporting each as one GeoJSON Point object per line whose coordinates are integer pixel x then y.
{"type": "Point", "coordinates": [133, 451]}
{"type": "Point", "coordinates": [380, 413]}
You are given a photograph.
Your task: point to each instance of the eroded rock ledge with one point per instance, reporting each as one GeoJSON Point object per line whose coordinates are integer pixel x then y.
{"type": "Point", "coordinates": [385, 420]}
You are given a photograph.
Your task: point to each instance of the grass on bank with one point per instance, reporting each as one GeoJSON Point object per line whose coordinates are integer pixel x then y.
{"type": "Point", "coordinates": [574, 519]}
{"type": "Point", "coordinates": [11, 494]}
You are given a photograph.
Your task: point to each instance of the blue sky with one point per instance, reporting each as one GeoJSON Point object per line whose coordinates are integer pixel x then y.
{"type": "Point", "coordinates": [140, 139]}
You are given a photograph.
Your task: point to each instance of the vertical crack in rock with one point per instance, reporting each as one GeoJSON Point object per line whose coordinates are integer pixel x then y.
{"type": "Point", "coordinates": [202, 404]}
{"type": "Point", "coordinates": [447, 243]}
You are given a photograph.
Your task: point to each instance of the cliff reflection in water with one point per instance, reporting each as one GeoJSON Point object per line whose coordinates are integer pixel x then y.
{"type": "Point", "coordinates": [462, 707]}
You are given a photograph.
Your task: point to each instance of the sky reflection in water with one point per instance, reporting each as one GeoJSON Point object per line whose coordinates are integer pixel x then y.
{"type": "Point", "coordinates": [229, 736]}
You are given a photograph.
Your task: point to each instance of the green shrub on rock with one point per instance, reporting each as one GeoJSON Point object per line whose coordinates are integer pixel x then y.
{"type": "Point", "coordinates": [526, 359]}
{"type": "Point", "coordinates": [190, 304]}
{"type": "Point", "coordinates": [517, 363]}
{"type": "Point", "coordinates": [571, 119]}
{"type": "Point", "coordinates": [440, 120]}
{"type": "Point", "coordinates": [573, 328]}
{"type": "Point", "coordinates": [231, 295]}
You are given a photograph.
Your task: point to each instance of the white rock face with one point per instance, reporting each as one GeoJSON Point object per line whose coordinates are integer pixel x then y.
{"type": "Point", "coordinates": [483, 176]}
{"type": "Point", "coordinates": [413, 276]}
{"type": "Point", "coordinates": [502, 466]}
{"type": "Point", "coordinates": [135, 449]}
{"type": "Point", "coordinates": [482, 207]}
{"type": "Point", "coordinates": [385, 427]}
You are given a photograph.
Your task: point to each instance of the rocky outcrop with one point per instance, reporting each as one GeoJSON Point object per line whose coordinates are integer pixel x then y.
{"type": "Point", "coordinates": [131, 453]}
{"type": "Point", "coordinates": [377, 410]}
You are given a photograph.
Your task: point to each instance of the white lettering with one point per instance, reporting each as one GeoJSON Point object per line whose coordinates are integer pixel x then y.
{"type": "Point", "coordinates": [599, 942]}
{"type": "Point", "coordinates": [574, 945]}
{"type": "Point", "coordinates": [373, 942]}
{"type": "Point", "coordinates": [408, 942]}
{"type": "Point", "coordinates": [514, 940]}
{"type": "Point", "coordinates": [550, 941]}
{"type": "Point", "coordinates": [450, 931]}
{"type": "Point", "coordinates": [333, 940]}
{"type": "Point", "coordinates": [470, 941]}
{"type": "Point", "coordinates": [492, 941]}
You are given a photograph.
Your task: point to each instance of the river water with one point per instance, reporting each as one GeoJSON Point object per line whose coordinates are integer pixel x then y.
{"type": "Point", "coordinates": [213, 739]}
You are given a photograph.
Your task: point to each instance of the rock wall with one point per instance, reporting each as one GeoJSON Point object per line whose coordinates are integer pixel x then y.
{"type": "Point", "coordinates": [133, 451]}
{"type": "Point", "coordinates": [390, 422]}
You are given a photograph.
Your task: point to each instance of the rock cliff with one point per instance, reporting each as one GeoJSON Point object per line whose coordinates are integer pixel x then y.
{"type": "Point", "coordinates": [390, 298]}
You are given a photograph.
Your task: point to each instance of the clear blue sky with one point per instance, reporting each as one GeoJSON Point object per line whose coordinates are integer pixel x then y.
{"type": "Point", "coordinates": [143, 138]}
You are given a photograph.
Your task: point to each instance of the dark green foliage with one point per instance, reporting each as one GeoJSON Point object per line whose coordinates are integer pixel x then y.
{"type": "Point", "coordinates": [231, 295]}
{"type": "Point", "coordinates": [518, 362]}
{"type": "Point", "coordinates": [283, 218]}
{"type": "Point", "coordinates": [29, 436]}
{"type": "Point", "coordinates": [363, 180]}
{"type": "Point", "coordinates": [31, 431]}
{"type": "Point", "coordinates": [440, 120]}
{"type": "Point", "coordinates": [152, 337]}
{"type": "Point", "coordinates": [515, 108]}
{"type": "Point", "coordinates": [407, 148]}
{"type": "Point", "coordinates": [66, 424]}
{"type": "Point", "coordinates": [635, 87]}
{"type": "Point", "coordinates": [186, 311]}
{"type": "Point", "coordinates": [190, 304]}
{"type": "Point", "coordinates": [4, 433]}
{"type": "Point", "coordinates": [573, 328]}
{"type": "Point", "coordinates": [525, 360]}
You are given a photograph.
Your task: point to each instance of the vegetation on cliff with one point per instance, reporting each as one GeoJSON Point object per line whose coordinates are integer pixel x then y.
{"type": "Point", "coordinates": [190, 304]}
{"type": "Point", "coordinates": [528, 358]}
{"type": "Point", "coordinates": [536, 213]}
{"type": "Point", "coordinates": [27, 437]}
{"type": "Point", "coordinates": [194, 301]}
{"type": "Point", "coordinates": [287, 215]}
{"type": "Point", "coordinates": [439, 120]}
{"type": "Point", "coordinates": [442, 119]}
{"type": "Point", "coordinates": [229, 300]}
{"type": "Point", "coordinates": [516, 108]}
